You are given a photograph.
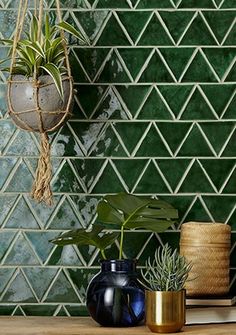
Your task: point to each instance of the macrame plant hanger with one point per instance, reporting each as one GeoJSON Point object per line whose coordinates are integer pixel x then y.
{"type": "Point", "coordinates": [41, 190]}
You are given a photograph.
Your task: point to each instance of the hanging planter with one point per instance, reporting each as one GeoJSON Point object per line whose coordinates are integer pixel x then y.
{"type": "Point", "coordinates": [40, 85]}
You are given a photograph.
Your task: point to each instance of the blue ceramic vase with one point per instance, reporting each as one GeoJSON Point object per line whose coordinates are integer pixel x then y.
{"type": "Point", "coordinates": [115, 296]}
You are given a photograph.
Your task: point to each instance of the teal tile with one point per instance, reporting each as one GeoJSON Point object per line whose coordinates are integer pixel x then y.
{"type": "Point", "coordinates": [86, 205]}
{"type": "Point", "coordinates": [6, 166]}
{"type": "Point", "coordinates": [22, 179]}
{"type": "Point", "coordinates": [66, 180]}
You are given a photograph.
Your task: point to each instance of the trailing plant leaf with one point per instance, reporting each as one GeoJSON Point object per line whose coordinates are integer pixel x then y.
{"type": "Point", "coordinates": [71, 30]}
{"type": "Point", "coordinates": [84, 237]}
{"type": "Point", "coordinates": [54, 72]}
{"type": "Point", "coordinates": [168, 271]}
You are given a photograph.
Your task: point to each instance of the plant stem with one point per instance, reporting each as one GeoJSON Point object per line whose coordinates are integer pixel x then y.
{"type": "Point", "coordinates": [121, 242]}
{"type": "Point", "coordinates": [103, 254]}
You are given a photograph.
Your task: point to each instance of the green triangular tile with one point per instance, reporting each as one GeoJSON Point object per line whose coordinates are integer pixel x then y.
{"type": "Point", "coordinates": [154, 4]}
{"type": "Point", "coordinates": [23, 145]}
{"type": "Point", "coordinates": [172, 239]}
{"type": "Point", "coordinates": [66, 181]}
{"type": "Point", "coordinates": [177, 59]}
{"type": "Point", "coordinates": [78, 73]}
{"type": "Point", "coordinates": [62, 312]}
{"type": "Point", "coordinates": [6, 204]}
{"type": "Point", "coordinates": [111, 4]}
{"type": "Point", "coordinates": [91, 59]}
{"type": "Point", "coordinates": [125, 166]}
{"type": "Point", "coordinates": [41, 243]}
{"type": "Point", "coordinates": [173, 170]}
{"type": "Point", "coordinates": [176, 22]}
{"type": "Point", "coordinates": [182, 203]}
{"type": "Point", "coordinates": [91, 21]}
{"type": "Point", "coordinates": [64, 256]}
{"type": "Point", "coordinates": [228, 4]}
{"type": "Point", "coordinates": [230, 186]}
{"type": "Point", "coordinates": [22, 179]}
{"type": "Point", "coordinates": [87, 169]}
{"type": "Point", "coordinates": [196, 181]}
{"type": "Point", "coordinates": [22, 217]}
{"type": "Point", "coordinates": [19, 291]}
{"type": "Point", "coordinates": [112, 34]}
{"type": "Point", "coordinates": [87, 253]}
{"type": "Point", "coordinates": [6, 238]}
{"type": "Point", "coordinates": [7, 129]}
{"type": "Point", "coordinates": [40, 279]}
{"type": "Point", "coordinates": [110, 107]}
{"type": "Point", "coordinates": [197, 108]}
{"type": "Point", "coordinates": [62, 291]}
{"type": "Point", "coordinates": [128, 92]}
{"type": "Point", "coordinates": [154, 34]}
{"type": "Point", "coordinates": [155, 71]}
{"type": "Point", "coordinates": [231, 37]}
{"type": "Point", "coordinates": [154, 108]}
{"type": "Point", "coordinates": [151, 181]}
{"type": "Point", "coordinates": [175, 96]}
{"type": "Point", "coordinates": [195, 145]}
{"type": "Point", "coordinates": [18, 312]}
{"type": "Point", "coordinates": [133, 243]}
{"type": "Point", "coordinates": [220, 206]}
{"type": "Point", "coordinates": [89, 96]}
{"type": "Point", "coordinates": [108, 145]}
{"type": "Point", "coordinates": [5, 276]}
{"type": "Point", "coordinates": [230, 148]}
{"type": "Point", "coordinates": [174, 133]}
{"type": "Point", "coordinates": [230, 111]}
{"type": "Point", "coordinates": [21, 253]}
{"type": "Point", "coordinates": [220, 59]}
{"type": "Point", "coordinates": [199, 71]}
{"type": "Point", "coordinates": [6, 165]}
{"type": "Point", "coordinates": [218, 170]}
{"type": "Point", "coordinates": [217, 133]}
{"type": "Point", "coordinates": [108, 182]}
{"type": "Point", "coordinates": [134, 59]}
{"type": "Point", "coordinates": [219, 21]}
{"type": "Point", "coordinates": [198, 213]}
{"type": "Point", "coordinates": [39, 310]}
{"type": "Point", "coordinates": [87, 206]}
{"type": "Point", "coordinates": [198, 33]}
{"type": "Point", "coordinates": [134, 21]}
{"type": "Point", "coordinates": [232, 74]}
{"type": "Point", "coordinates": [113, 71]}
{"type": "Point", "coordinates": [149, 250]}
{"type": "Point", "coordinates": [152, 145]}
{"type": "Point", "coordinates": [219, 96]}
{"type": "Point", "coordinates": [197, 4]}
{"type": "Point", "coordinates": [67, 211]}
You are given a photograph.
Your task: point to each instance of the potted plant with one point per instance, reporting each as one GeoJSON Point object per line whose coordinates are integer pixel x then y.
{"type": "Point", "coordinates": [165, 276]}
{"type": "Point", "coordinates": [40, 85]}
{"type": "Point", "coordinates": [115, 296]}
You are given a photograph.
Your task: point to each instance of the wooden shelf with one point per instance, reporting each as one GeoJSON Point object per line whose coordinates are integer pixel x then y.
{"type": "Point", "coordinates": [85, 326]}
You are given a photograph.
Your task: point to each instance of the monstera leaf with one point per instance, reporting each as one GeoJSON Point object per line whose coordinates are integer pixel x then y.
{"type": "Point", "coordinates": [131, 212]}
{"type": "Point", "coordinates": [84, 237]}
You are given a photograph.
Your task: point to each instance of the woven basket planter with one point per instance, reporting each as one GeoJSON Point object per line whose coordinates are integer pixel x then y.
{"type": "Point", "coordinates": [38, 108]}
{"type": "Point", "coordinates": [207, 246]}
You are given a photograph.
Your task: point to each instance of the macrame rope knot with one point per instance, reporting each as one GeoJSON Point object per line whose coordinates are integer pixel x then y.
{"type": "Point", "coordinates": [41, 191]}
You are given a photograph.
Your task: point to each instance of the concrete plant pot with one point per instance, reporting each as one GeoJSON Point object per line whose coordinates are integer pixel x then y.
{"type": "Point", "coordinates": [23, 96]}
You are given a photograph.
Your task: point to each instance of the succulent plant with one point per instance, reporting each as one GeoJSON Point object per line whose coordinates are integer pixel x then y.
{"type": "Point", "coordinates": [168, 271]}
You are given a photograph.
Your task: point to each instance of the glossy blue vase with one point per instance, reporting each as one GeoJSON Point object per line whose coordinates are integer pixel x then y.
{"type": "Point", "coordinates": [115, 296]}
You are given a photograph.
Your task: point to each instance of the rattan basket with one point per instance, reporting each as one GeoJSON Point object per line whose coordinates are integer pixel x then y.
{"type": "Point", "coordinates": [207, 246]}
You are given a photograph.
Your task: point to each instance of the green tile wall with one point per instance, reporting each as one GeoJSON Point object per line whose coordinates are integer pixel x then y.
{"type": "Point", "coordinates": [154, 115]}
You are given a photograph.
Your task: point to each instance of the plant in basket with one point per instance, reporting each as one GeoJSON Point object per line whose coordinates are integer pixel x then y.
{"type": "Point", "coordinates": [115, 296]}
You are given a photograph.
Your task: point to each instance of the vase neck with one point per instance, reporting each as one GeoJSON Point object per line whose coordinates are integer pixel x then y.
{"type": "Point", "coordinates": [117, 265]}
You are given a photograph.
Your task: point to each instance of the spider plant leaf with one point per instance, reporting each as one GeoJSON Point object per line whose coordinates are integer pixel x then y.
{"type": "Point", "coordinates": [55, 74]}
{"type": "Point", "coordinates": [71, 30]}
{"type": "Point", "coordinates": [34, 28]}
{"type": "Point", "coordinates": [47, 29]}
{"type": "Point", "coordinates": [35, 46]}
{"type": "Point", "coordinates": [6, 41]}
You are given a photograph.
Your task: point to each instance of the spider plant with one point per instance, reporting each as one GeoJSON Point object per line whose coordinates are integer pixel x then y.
{"type": "Point", "coordinates": [168, 271]}
{"type": "Point", "coordinates": [41, 51]}
{"type": "Point", "coordinates": [122, 212]}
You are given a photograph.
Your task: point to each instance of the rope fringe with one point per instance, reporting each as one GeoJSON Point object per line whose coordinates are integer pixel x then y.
{"type": "Point", "coordinates": [41, 191]}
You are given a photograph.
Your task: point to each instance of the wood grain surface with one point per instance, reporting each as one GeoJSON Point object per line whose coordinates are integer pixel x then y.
{"type": "Point", "coordinates": [85, 326]}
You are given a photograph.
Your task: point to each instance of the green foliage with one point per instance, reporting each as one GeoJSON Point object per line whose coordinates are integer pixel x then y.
{"type": "Point", "coordinates": [123, 211]}
{"type": "Point", "coordinates": [168, 271]}
{"type": "Point", "coordinates": [42, 51]}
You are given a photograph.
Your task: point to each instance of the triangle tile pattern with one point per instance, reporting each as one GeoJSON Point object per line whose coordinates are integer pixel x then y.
{"type": "Point", "coordinates": [154, 114]}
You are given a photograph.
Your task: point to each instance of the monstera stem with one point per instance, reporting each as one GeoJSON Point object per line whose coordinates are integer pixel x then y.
{"type": "Point", "coordinates": [103, 254]}
{"type": "Point", "coordinates": [121, 241]}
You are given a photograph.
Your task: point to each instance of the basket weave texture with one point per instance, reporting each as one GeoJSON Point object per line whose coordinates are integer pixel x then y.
{"type": "Point", "coordinates": [207, 246]}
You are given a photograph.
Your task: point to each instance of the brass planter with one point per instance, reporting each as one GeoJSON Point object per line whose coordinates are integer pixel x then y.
{"type": "Point", "coordinates": [165, 311]}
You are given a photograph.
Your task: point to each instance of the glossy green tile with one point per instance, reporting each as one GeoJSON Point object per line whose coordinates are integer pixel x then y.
{"type": "Point", "coordinates": [66, 180]}
{"type": "Point", "coordinates": [183, 204]}
{"type": "Point", "coordinates": [232, 74]}
{"type": "Point", "coordinates": [230, 108]}
{"type": "Point", "coordinates": [152, 244]}
{"type": "Point", "coordinates": [230, 186]}
{"type": "Point", "coordinates": [39, 310]}
{"type": "Point", "coordinates": [197, 212]}
{"type": "Point", "coordinates": [112, 34]}
{"type": "Point", "coordinates": [87, 206]}
{"type": "Point", "coordinates": [112, 4]}
{"type": "Point", "coordinates": [22, 179]}
{"type": "Point", "coordinates": [155, 71]}
{"type": "Point", "coordinates": [134, 22]}
{"type": "Point", "coordinates": [228, 4]}
{"type": "Point", "coordinates": [6, 166]}
{"type": "Point", "coordinates": [6, 238]}
{"type": "Point", "coordinates": [152, 145]}
{"type": "Point", "coordinates": [7, 309]}
{"type": "Point", "coordinates": [77, 310]}
{"type": "Point", "coordinates": [134, 242]}
{"type": "Point", "coordinates": [196, 4]}
{"type": "Point", "coordinates": [230, 147]}
{"type": "Point", "coordinates": [195, 145]}
{"type": "Point", "coordinates": [154, 34]}
{"type": "Point", "coordinates": [154, 108]}
{"type": "Point", "coordinates": [220, 206]}
{"type": "Point", "coordinates": [154, 4]}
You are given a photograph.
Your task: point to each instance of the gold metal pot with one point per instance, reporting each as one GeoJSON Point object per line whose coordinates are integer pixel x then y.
{"type": "Point", "coordinates": [165, 311]}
